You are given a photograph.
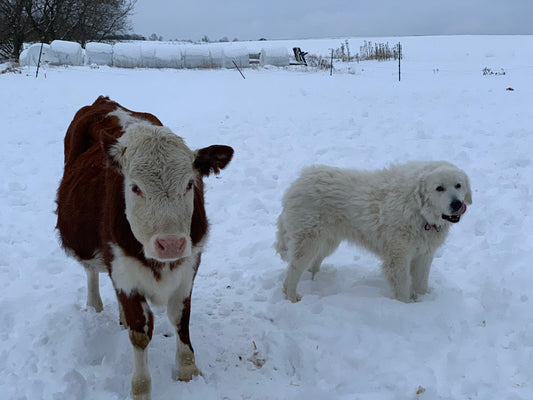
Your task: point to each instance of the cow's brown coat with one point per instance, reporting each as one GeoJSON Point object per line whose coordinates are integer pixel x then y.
{"type": "Point", "coordinates": [92, 220]}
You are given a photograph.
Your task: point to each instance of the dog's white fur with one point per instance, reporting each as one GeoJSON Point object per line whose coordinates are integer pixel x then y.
{"type": "Point", "coordinates": [396, 213]}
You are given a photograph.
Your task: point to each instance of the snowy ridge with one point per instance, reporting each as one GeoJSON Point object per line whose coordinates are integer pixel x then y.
{"type": "Point", "coordinates": [471, 337]}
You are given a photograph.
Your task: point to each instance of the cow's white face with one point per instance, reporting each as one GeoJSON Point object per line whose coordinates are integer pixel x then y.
{"type": "Point", "coordinates": [159, 181]}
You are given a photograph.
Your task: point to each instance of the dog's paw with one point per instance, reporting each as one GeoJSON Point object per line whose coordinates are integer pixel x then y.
{"type": "Point", "coordinates": [404, 298]}
{"type": "Point", "coordinates": [294, 297]}
{"type": "Point", "coordinates": [290, 294]}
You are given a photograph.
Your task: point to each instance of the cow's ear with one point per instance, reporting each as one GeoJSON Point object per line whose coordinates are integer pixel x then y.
{"type": "Point", "coordinates": [212, 159]}
{"type": "Point", "coordinates": [113, 151]}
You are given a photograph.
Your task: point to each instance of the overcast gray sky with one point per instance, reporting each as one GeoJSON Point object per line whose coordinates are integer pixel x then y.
{"type": "Point", "coordinates": [300, 19]}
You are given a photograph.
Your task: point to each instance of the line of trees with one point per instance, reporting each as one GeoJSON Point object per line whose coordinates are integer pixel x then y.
{"type": "Point", "coordinates": [74, 20]}
{"type": "Point", "coordinates": [223, 39]}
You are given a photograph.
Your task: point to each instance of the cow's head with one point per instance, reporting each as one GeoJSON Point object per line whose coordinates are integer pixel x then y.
{"type": "Point", "coordinates": [160, 173]}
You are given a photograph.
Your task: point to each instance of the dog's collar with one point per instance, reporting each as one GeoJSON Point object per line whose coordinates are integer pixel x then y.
{"type": "Point", "coordinates": [429, 227]}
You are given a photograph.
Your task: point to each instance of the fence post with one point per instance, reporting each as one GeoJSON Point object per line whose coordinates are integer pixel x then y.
{"type": "Point", "coordinates": [238, 69]}
{"type": "Point", "coordinates": [39, 62]}
{"type": "Point", "coordinates": [331, 65]}
{"type": "Point", "coordinates": [399, 61]}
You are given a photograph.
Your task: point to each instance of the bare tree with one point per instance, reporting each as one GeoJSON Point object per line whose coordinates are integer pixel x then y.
{"type": "Point", "coordinates": [155, 38]}
{"type": "Point", "coordinates": [75, 20]}
{"type": "Point", "coordinates": [99, 19]}
{"type": "Point", "coordinates": [14, 27]}
{"type": "Point", "coordinates": [79, 20]}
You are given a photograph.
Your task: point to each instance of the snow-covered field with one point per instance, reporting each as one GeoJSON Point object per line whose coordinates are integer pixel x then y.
{"type": "Point", "coordinates": [470, 338]}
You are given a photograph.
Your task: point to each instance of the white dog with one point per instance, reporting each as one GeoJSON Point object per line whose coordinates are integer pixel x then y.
{"type": "Point", "coordinates": [402, 214]}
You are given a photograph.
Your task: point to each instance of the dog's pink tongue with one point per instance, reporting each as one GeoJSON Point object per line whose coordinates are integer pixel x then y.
{"type": "Point", "coordinates": [462, 210]}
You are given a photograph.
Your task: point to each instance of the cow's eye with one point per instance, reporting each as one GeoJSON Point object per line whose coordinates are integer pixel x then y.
{"type": "Point", "coordinates": [458, 186]}
{"type": "Point", "coordinates": [190, 185]}
{"type": "Point", "coordinates": [137, 190]}
{"type": "Point", "coordinates": [440, 189]}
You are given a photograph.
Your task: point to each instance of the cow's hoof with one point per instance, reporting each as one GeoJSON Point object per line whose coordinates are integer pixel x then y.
{"type": "Point", "coordinates": [185, 373]}
{"type": "Point", "coordinates": [141, 389]}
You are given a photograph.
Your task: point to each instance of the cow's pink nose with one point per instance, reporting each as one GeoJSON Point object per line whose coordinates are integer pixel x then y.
{"type": "Point", "coordinates": [169, 247]}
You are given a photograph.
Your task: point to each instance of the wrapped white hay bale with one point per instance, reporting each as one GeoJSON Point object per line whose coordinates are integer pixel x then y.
{"type": "Point", "coordinates": [99, 53]}
{"type": "Point", "coordinates": [30, 56]}
{"type": "Point", "coordinates": [127, 55]}
{"type": "Point", "coordinates": [160, 55]}
{"type": "Point", "coordinates": [168, 56]}
{"type": "Point", "coordinates": [238, 54]}
{"type": "Point", "coordinates": [278, 57]}
{"type": "Point", "coordinates": [217, 55]}
{"type": "Point", "coordinates": [67, 53]}
{"type": "Point", "coordinates": [197, 56]}
{"type": "Point", "coordinates": [147, 59]}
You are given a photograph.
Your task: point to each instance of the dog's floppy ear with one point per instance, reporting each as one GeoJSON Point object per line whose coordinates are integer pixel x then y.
{"type": "Point", "coordinates": [468, 191]}
{"type": "Point", "coordinates": [420, 192]}
{"type": "Point", "coordinates": [424, 200]}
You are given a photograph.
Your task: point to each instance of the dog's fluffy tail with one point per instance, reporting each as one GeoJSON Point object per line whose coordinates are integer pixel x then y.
{"type": "Point", "coordinates": [281, 239]}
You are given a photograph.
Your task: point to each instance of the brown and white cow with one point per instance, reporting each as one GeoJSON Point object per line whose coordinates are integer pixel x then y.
{"type": "Point", "coordinates": [131, 202]}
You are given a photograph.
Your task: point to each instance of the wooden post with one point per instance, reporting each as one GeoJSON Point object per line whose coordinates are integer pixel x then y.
{"type": "Point", "coordinates": [331, 65]}
{"type": "Point", "coordinates": [42, 39]}
{"type": "Point", "coordinates": [238, 69]}
{"type": "Point", "coordinates": [39, 62]}
{"type": "Point", "coordinates": [399, 61]}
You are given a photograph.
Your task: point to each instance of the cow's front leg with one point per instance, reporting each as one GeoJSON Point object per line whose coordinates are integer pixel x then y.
{"type": "Point", "coordinates": [140, 323]}
{"type": "Point", "coordinates": [179, 312]}
{"type": "Point", "coordinates": [93, 268]}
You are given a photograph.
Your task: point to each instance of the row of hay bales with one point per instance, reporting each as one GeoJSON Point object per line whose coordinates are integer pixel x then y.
{"type": "Point", "coordinates": [150, 55]}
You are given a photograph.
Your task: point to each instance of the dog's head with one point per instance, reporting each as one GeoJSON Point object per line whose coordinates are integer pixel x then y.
{"type": "Point", "coordinates": [443, 193]}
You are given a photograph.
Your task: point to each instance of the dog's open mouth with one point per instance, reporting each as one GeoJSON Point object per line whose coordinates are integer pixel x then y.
{"type": "Point", "coordinates": [454, 218]}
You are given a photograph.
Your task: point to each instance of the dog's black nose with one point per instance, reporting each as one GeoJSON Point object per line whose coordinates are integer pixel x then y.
{"type": "Point", "coordinates": [456, 205]}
